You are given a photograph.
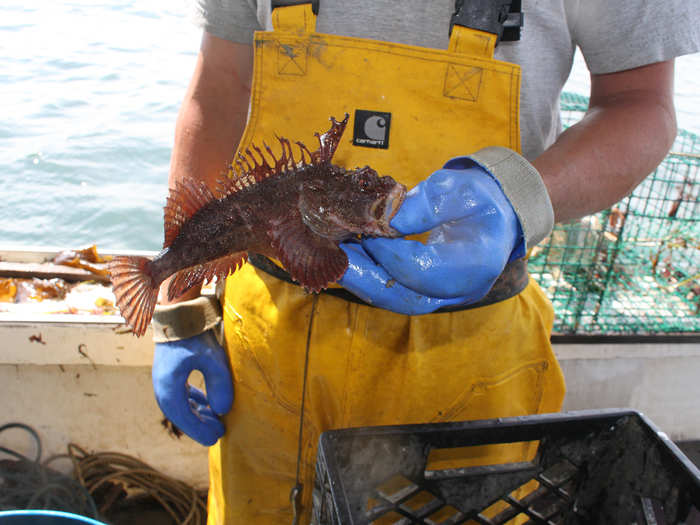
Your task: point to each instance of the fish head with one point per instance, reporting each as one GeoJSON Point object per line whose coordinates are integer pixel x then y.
{"type": "Point", "coordinates": [343, 204]}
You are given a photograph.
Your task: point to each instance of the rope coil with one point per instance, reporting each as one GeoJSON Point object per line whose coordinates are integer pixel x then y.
{"type": "Point", "coordinates": [101, 483]}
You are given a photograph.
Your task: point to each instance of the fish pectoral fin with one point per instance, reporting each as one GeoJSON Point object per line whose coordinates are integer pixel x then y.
{"type": "Point", "coordinates": [311, 260]}
{"type": "Point", "coordinates": [203, 273]}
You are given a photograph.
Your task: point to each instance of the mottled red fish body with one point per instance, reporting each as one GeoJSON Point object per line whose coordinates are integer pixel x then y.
{"type": "Point", "coordinates": [296, 210]}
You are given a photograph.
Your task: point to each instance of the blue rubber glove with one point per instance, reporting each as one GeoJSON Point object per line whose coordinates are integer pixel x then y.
{"type": "Point", "coordinates": [373, 284]}
{"type": "Point", "coordinates": [474, 232]}
{"type": "Point", "coordinates": [193, 412]}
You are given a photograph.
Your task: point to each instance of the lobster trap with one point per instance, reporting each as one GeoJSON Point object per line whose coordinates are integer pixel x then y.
{"type": "Point", "coordinates": [607, 466]}
{"type": "Point", "coordinates": [633, 268]}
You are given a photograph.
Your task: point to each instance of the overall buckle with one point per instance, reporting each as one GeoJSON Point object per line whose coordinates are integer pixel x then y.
{"type": "Point", "coordinates": [503, 18]}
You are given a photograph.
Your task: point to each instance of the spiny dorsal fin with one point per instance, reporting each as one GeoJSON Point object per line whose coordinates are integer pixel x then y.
{"type": "Point", "coordinates": [249, 168]}
{"type": "Point", "coordinates": [185, 199]}
{"type": "Point", "coordinates": [328, 142]}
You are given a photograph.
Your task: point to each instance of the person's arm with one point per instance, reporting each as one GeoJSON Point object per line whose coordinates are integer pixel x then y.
{"type": "Point", "coordinates": [627, 131]}
{"type": "Point", "coordinates": [209, 126]}
{"type": "Point", "coordinates": [212, 118]}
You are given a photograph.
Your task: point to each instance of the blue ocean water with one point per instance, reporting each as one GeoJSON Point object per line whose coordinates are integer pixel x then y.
{"type": "Point", "coordinates": [90, 93]}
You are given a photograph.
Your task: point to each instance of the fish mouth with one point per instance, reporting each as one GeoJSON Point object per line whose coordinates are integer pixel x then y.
{"type": "Point", "coordinates": [390, 205]}
{"type": "Point", "coordinates": [395, 198]}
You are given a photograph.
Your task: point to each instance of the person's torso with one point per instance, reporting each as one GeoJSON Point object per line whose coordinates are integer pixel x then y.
{"type": "Point", "coordinates": [545, 51]}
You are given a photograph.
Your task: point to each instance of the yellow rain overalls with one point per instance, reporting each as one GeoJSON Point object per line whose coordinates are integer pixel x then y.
{"type": "Point", "coordinates": [357, 365]}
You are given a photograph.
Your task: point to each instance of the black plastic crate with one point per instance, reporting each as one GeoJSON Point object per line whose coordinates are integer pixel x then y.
{"type": "Point", "coordinates": [602, 466]}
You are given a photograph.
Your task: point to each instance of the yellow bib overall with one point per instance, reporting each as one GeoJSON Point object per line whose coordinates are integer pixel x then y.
{"type": "Point", "coordinates": [358, 365]}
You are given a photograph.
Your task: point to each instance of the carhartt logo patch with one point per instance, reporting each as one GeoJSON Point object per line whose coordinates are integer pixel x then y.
{"type": "Point", "coordinates": [371, 129]}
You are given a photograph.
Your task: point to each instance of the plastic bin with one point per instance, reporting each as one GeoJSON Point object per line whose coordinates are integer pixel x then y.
{"type": "Point", "coordinates": [44, 517]}
{"type": "Point", "coordinates": [603, 466]}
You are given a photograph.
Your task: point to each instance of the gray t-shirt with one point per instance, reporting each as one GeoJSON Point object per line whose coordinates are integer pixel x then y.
{"type": "Point", "coordinates": [613, 35]}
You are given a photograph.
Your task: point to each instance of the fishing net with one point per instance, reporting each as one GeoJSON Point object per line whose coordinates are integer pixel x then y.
{"type": "Point", "coordinates": [633, 268]}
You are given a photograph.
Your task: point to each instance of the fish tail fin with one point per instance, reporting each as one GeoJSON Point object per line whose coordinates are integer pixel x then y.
{"type": "Point", "coordinates": [135, 290]}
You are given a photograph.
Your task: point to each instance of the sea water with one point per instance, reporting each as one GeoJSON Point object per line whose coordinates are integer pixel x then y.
{"type": "Point", "coordinates": [89, 93]}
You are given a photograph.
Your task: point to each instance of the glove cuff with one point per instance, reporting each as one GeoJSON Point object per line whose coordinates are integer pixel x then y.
{"type": "Point", "coordinates": [523, 186]}
{"type": "Point", "coordinates": [174, 322]}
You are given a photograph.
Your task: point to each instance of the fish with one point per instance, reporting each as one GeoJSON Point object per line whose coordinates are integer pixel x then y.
{"type": "Point", "coordinates": [295, 209]}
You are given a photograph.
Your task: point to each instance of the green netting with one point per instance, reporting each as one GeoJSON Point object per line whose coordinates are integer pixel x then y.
{"type": "Point", "coordinates": [631, 269]}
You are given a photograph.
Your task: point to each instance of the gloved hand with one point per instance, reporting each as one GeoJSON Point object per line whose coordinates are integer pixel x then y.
{"type": "Point", "coordinates": [474, 232]}
{"type": "Point", "coordinates": [372, 283]}
{"type": "Point", "coordinates": [193, 412]}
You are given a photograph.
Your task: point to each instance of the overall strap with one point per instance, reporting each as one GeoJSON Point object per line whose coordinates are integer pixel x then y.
{"type": "Point", "coordinates": [503, 18]}
{"type": "Point", "coordinates": [477, 26]}
{"type": "Point", "coordinates": [286, 3]}
{"type": "Point", "coordinates": [473, 42]}
{"type": "Point", "coordinates": [294, 16]}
